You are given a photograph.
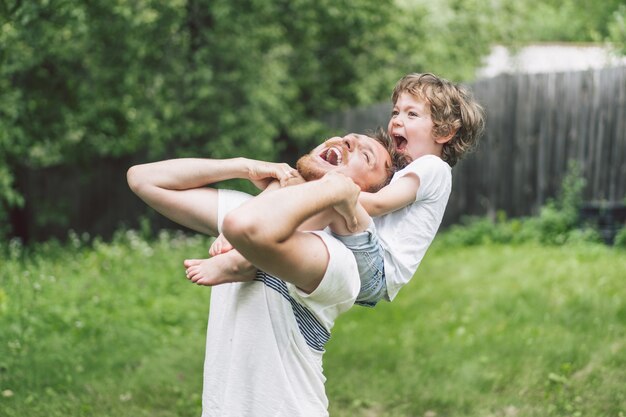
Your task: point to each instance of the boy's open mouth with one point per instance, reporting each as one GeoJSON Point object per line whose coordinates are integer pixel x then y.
{"type": "Point", "coordinates": [401, 142]}
{"type": "Point", "coordinates": [332, 155]}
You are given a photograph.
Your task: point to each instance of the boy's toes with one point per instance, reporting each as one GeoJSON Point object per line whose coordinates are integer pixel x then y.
{"type": "Point", "coordinates": [191, 262]}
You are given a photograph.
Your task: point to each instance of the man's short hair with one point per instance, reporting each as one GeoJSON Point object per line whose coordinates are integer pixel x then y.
{"type": "Point", "coordinates": [398, 159]}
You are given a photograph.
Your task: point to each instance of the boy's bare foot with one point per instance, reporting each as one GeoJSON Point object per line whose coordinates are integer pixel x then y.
{"type": "Point", "coordinates": [220, 245]}
{"type": "Point", "coordinates": [220, 269]}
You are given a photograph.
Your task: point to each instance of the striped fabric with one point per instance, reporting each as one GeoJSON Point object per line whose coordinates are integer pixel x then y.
{"type": "Point", "coordinates": [311, 329]}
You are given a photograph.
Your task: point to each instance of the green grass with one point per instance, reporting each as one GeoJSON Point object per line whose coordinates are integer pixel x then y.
{"type": "Point", "coordinates": [494, 330]}
{"type": "Point", "coordinates": [109, 330]}
{"type": "Point", "coordinates": [490, 331]}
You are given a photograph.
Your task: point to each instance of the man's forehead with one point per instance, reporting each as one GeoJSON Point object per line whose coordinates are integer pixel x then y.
{"type": "Point", "coordinates": [364, 139]}
{"type": "Point", "coordinates": [371, 143]}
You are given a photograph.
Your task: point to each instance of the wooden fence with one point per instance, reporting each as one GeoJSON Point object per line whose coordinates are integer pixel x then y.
{"type": "Point", "coordinates": [92, 199]}
{"type": "Point", "coordinates": [536, 124]}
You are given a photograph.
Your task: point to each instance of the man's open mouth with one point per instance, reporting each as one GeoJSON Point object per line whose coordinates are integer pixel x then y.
{"type": "Point", "coordinates": [401, 142]}
{"type": "Point", "coordinates": [332, 155]}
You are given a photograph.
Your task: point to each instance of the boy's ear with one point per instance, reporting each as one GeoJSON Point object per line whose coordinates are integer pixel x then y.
{"type": "Point", "coordinates": [445, 139]}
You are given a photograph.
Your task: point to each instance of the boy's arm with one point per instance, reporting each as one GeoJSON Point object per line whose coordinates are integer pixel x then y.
{"type": "Point", "coordinates": [392, 197]}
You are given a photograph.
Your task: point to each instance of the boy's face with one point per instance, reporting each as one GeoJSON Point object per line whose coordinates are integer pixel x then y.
{"type": "Point", "coordinates": [412, 128]}
{"type": "Point", "coordinates": [359, 157]}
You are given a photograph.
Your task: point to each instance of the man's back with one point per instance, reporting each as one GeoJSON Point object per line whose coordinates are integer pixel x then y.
{"type": "Point", "coordinates": [265, 338]}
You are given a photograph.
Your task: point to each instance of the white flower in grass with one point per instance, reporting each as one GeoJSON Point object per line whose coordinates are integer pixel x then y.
{"type": "Point", "coordinates": [127, 396]}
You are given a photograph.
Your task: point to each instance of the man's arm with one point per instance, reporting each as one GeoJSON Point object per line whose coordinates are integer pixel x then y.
{"type": "Point", "coordinates": [176, 187]}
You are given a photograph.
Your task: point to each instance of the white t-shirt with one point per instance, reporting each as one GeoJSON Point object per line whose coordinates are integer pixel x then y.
{"type": "Point", "coordinates": [265, 338]}
{"type": "Point", "coordinates": [406, 234]}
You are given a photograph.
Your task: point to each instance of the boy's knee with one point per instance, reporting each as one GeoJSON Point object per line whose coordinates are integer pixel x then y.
{"type": "Point", "coordinates": [239, 228]}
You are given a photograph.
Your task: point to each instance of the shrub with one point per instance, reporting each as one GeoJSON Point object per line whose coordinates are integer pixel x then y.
{"type": "Point", "coordinates": [557, 223]}
{"type": "Point", "coordinates": [620, 238]}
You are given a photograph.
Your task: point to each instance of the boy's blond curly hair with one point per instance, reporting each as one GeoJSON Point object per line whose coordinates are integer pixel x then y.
{"type": "Point", "coordinates": [452, 108]}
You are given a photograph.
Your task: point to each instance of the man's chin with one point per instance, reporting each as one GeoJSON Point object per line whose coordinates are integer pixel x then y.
{"type": "Point", "coordinates": [308, 168]}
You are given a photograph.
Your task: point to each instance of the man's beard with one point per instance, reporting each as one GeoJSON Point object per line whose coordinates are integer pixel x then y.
{"type": "Point", "coordinates": [308, 168]}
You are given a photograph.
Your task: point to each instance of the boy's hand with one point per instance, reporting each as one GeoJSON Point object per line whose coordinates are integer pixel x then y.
{"type": "Point", "coordinates": [349, 191]}
{"type": "Point", "coordinates": [220, 245]}
{"type": "Point", "coordinates": [294, 180]}
{"type": "Point", "coordinates": [263, 173]}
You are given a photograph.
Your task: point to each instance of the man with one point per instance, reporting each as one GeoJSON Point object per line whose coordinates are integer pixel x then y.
{"type": "Point", "coordinates": [265, 338]}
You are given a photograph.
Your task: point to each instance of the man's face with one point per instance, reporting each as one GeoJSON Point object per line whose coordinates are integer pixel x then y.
{"type": "Point", "coordinates": [359, 157]}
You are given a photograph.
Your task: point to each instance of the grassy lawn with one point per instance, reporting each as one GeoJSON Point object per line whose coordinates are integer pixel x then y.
{"type": "Point", "coordinates": [494, 330]}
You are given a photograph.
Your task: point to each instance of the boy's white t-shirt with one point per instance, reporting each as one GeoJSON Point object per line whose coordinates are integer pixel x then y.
{"type": "Point", "coordinates": [406, 234]}
{"type": "Point", "coordinates": [265, 338]}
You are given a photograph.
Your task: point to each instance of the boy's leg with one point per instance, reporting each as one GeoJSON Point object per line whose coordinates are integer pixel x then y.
{"type": "Point", "coordinates": [369, 255]}
{"type": "Point", "coordinates": [337, 221]}
{"type": "Point", "coordinates": [264, 231]}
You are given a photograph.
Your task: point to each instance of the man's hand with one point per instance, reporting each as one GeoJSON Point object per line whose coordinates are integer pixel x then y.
{"type": "Point", "coordinates": [349, 191]}
{"type": "Point", "coordinates": [261, 173]}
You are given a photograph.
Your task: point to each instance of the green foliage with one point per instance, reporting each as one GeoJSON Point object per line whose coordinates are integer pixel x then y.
{"type": "Point", "coordinates": [521, 22]}
{"type": "Point", "coordinates": [85, 80]}
{"type": "Point", "coordinates": [481, 230]}
{"type": "Point", "coordinates": [620, 238]}
{"type": "Point", "coordinates": [559, 217]}
{"type": "Point", "coordinates": [448, 37]}
{"type": "Point", "coordinates": [617, 29]}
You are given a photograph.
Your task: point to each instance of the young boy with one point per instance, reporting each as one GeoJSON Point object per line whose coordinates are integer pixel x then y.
{"type": "Point", "coordinates": [434, 123]}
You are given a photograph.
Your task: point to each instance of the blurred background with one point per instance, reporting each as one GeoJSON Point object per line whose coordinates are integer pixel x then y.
{"type": "Point", "coordinates": [89, 88]}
